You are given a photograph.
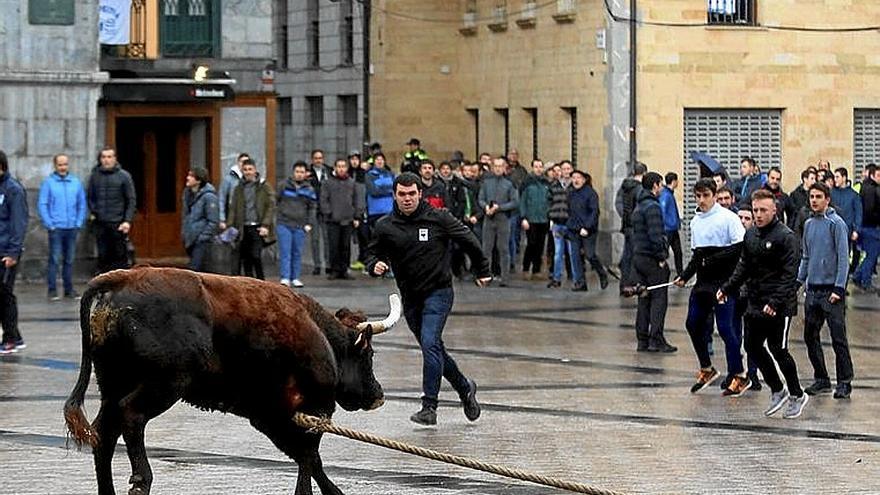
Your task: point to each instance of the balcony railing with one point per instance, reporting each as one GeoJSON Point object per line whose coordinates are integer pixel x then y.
{"type": "Point", "coordinates": [137, 45]}
{"type": "Point", "coordinates": [732, 12]}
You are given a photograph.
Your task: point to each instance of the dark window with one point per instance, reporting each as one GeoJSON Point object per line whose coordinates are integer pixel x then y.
{"type": "Point", "coordinates": [285, 110]}
{"type": "Point", "coordinates": [281, 34]}
{"type": "Point", "coordinates": [315, 109]}
{"type": "Point", "coordinates": [190, 28]}
{"type": "Point", "coordinates": [732, 12]}
{"type": "Point", "coordinates": [348, 105]}
{"type": "Point", "coordinates": [313, 34]}
{"type": "Point", "coordinates": [475, 116]}
{"type": "Point", "coordinates": [573, 120]}
{"type": "Point", "coordinates": [533, 113]}
{"type": "Point", "coordinates": [346, 28]}
{"type": "Point", "coordinates": [505, 116]}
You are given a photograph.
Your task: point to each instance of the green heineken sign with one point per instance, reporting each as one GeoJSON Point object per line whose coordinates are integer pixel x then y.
{"type": "Point", "coordinates": [55, 12]}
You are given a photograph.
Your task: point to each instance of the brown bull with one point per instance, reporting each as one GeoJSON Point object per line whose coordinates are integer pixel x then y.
{"type": "Point", "coordinates": [237, 345]}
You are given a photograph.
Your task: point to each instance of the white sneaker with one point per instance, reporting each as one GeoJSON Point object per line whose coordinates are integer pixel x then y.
{"type": "Point", "coordinates": [285, 282]}
{"type": "Point", "coordinates": [296, 283]}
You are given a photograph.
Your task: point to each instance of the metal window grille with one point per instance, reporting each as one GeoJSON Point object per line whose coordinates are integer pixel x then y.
{"type": "Point", "coordinates": [285, 110]}
{"type": "Point", "coordinates": [475, 116]}
{"type": "Point", "coordinates": [505, 116]}
{"type": "Point", "coordinates": [315, 106]}
{"type": "Point", "coordinates": [346, 29]}
{"type": "Point", "coordinates": [349, 107]}
{"type": "Point", "coordinates": [170, 7]}
{"type": "Point", "coordinates": [573, 131]}
{"type": "Point", "coordinates": [197, 7]}
{"type": "Point", "coordinates": [728, 136]}
{"type": "Point", "coordinates": [533, 113]}
{"type": "Point", "coordinates": [732, 12]}
{"type": "Point", "coordinates": [313, 34]}
{"type": "Point", "coordinates": [866, 140]}
{"type": "Point", "coordinates": [281, 34]}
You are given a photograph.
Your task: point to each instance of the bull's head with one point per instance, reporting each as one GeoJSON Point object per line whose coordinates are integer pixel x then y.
{"type": "Point", "coordinates": [358, 387]}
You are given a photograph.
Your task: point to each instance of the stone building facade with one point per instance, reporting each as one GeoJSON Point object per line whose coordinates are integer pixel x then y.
{"type": "Point", "coordinates": [731, 79]}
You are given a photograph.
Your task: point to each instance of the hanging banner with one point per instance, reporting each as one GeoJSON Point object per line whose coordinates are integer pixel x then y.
{"type": "Point", "coordinates": [114, 22]}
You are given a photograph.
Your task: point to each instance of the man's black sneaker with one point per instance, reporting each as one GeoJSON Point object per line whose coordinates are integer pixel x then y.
{"type": "Point", "coordinates": [72, 295]}
{"type": "Point", "coordinates": [53, 296]}
{"type": "Point", "coordinates": [316, 271]}
{"type": "Point", "coordinates": [427, 416]}
{"type": "Point", "coordinates": [842, 391]}
{"type": "Point", "coordinates": [579, 288]}
{"type": "Point", "coordinates": [469, 402]}
{"type": "Point", "coordinates": [818, 387]}
{"type": "Point", "coordinates": [603, 282]}
{"type": "Point", "coordinates": [725, 384]}
{"type": "Point", "coordinates": [554, 284]}
{"type": "Point", "coordinates": [643, 347]}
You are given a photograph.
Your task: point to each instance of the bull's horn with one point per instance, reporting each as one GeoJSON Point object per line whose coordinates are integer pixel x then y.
{"type": "Point", "coordinates": [381, 326]}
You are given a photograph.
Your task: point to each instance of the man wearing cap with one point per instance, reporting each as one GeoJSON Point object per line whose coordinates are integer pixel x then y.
{"type": "Point", "coordinates": [412, 159]}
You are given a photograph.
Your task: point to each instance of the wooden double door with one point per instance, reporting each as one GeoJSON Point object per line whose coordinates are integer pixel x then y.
{"type": "Point", "coordinates": [158, 152]}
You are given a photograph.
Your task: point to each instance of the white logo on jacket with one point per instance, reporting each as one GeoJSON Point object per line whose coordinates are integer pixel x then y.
{"type": "Point", "coordinates": [423, 235]}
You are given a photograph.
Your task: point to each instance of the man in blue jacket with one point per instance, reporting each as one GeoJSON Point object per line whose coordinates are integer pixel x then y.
{"type": "Point", "coordinates": [583, 228]}
{"type": "Point", "coordinates": [671, 219]}
{"type": "Point", "coordinates": [62, 207]}
{"type": "Point", "coordinates": [13, 225]}
{"type": "Point", "coordinates": [848, 204]}
{"type": "Point", "coordinates": [824, 267]}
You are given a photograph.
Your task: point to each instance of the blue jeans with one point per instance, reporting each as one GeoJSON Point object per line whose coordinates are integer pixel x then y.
{"type": "Point", "coordinates": [515, 236]}
{"type": "Point", "coordinates": [291, 241]}
{"type": "Point", "coordinates": [62, 247]}
{"type": "Point", "coordinates": [198, 256]}
{"type": "Point", "coordinates": [869, 237]}
{"type": "Point", "coordinates": [426, 318]}
{"type": "Point", "coordinates": [702, 306]}
{"type": "Point", "coordinates": [559, 247]}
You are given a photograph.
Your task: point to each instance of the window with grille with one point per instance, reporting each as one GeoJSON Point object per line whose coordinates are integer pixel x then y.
{"type": "Point", "coordinates": [533, 114]}
{"type": "Point", "coordinates": [732, 12]}
{"type": "Point", "coordinates": [866, 140]}
{"type": "Point", "coordinates": [313, 34]}
{"type": "Point", "coordinates": [285, 110]}
{"type": "Point", "coordinates": [346, 31]}
{"type": "Point", "coordinates": [728, 136]}
{"type": "Point", "coordinates": [348, 105]}
{"type": "Point", "coordinates": [475, 118]}
{"type": "Point", "coordinates": [281, 27]}
{"type": "Point", "coordinates": [505, 118]}
{"type": "Point", "coordinates": [573, 133]}
{"type": "Point", "coordinates": [190, 28]}
{"type": "Point", "coordinates": [315, 110]}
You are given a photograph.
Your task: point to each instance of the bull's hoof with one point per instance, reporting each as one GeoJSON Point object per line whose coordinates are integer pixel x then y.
{"type": "Point", "coordinates": [140, 487]}
{"type": "Point", "coordinates": [139, 490]}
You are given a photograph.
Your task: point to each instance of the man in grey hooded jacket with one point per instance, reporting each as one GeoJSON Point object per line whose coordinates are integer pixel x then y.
{"type": "Point", "coordinates": [824, 268]}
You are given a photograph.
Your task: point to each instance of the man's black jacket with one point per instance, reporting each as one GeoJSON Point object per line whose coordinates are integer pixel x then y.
{"type": "Point", "coordinates": [768, 267]}
{"type": "Point", "coordinates": [417, 247]}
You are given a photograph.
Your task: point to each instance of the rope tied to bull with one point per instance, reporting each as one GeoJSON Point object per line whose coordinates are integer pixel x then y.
{"type": "Point", "coordinates": [324, 425]}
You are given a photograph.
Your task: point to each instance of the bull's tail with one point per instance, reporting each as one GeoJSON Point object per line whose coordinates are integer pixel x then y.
{"type": "Point", "coordinates": [78, 425]}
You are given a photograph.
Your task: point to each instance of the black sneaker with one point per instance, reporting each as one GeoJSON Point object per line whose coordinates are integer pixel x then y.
{"type": "Point", "coordinates": [756, 383]}
{"type": "Point", "coordinates": [842, 391]}
{"type": "Point", "coordinates": [53, 296]}
{"type": "Point", "coordinates": [603, 282]}
{"type": "Point", "coordinates": [469, 402]}
{"type": "Point", "coordinates": [579, 288]}
{"type": "Point", "coordinates": [72, 295]}
{"type": "Point", "coordinates": [554, 284]}
{"type": "Point", "coordinates": [725, 384]}
{"type": "Point", "coordinates": [819, 387]}
{"type": "Point", "coordinates": [427, 416]}
{"type": "Point", "coordinates": [316, 270]}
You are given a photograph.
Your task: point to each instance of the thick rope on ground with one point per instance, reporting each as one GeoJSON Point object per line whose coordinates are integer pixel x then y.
{"type": "Point", "coordinates": [326, 426]}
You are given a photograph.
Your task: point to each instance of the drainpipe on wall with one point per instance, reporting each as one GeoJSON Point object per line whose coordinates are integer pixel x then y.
{"type": "Point", "coordinates": [368, 7]}
{"type": "Point", "coordinates": [633, 78]}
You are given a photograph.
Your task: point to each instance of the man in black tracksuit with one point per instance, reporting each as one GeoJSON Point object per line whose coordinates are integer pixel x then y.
{"type": "Point", "coordinates": [768, 267]}
{"type": "Point", "coordinates": [649, 265]}
{"type": "Point", "coordinates": [413, 240]}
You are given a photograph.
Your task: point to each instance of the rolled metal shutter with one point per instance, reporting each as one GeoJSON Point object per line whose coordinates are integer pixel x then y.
{"type": "Point", "coordinates": [728, 136]}
{"type": "Point", "coordinates": [866, 140]}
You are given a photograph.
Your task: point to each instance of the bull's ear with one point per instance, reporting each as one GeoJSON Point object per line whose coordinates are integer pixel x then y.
{"type": "Point", "coordinates": [364, 338]}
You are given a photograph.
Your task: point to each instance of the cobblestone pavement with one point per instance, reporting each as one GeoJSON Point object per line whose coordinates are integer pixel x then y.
{"type": "Point", "coordinates": [563, 393]}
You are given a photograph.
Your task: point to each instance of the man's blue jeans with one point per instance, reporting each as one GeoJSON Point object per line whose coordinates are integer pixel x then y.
{"type": "Point", "coordinates": [62, 248]}
{"type": "Point", "coordinates": [291, 241]}
{"type": "Point", "coordinates": [869, 238]}
{"type": "Point", "coordinates": [426, 318]}
{"type": "Point", "coordinates": [559, 246]}
{"type": "Point", "coordinates": [702, 306]}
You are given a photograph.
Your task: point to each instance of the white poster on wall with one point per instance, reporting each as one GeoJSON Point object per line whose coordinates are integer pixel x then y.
{"type": "Point", "coordinates": [113, 22]}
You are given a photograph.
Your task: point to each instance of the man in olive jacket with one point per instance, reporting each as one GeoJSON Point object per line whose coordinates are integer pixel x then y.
{"type": "Point", "coordinates": [252, 212]}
